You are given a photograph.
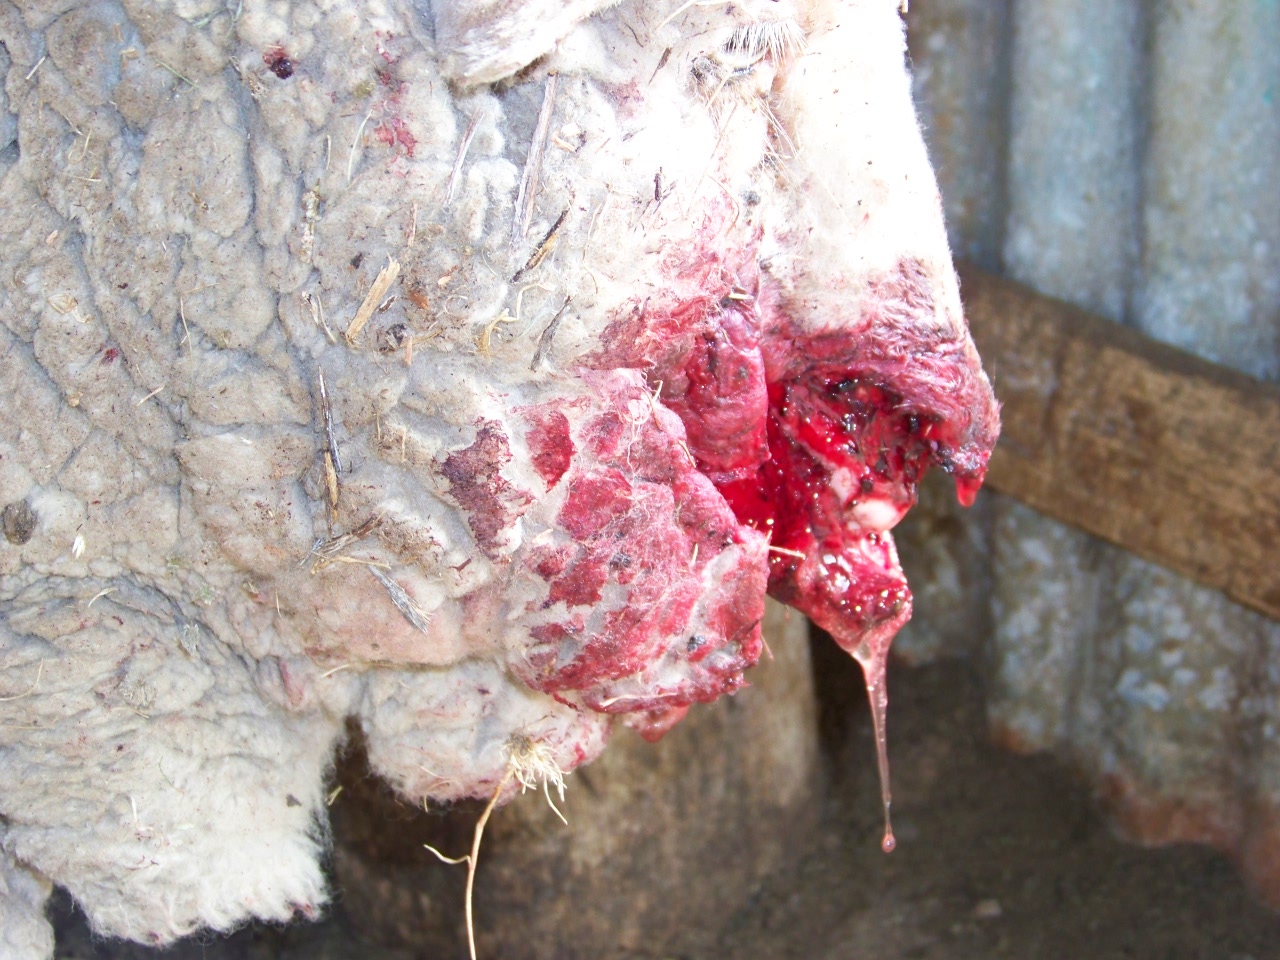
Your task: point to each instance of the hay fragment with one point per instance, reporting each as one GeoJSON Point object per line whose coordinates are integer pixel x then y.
{"type": "Point", "coordinates": [452, 861]}
{"type": "Point", "coordinates": [30, 690]}
{"type": "Point", "coordinates": [64, 303]}
{"type": "Point", "coordinates": [326, 412]}
{"type": "Point", "coordinates": [403, 602]}
{"type": "Point", "coordinates": [528, 189]}
{"type": "Point", "coordinates": [175, 72]}
{"type": "Point", "coordinates": [461, 157]}
{"type": "Point", "coordinates": [474, 857]}
{"type": "Point", "coordinates": [316, 306]}
{"type": "Point", "coordinates": [545, 247]}
{"type": "Point", "coordinates": [355, 144]}
{"type": "Point", "coordinates": [99, 595]}
{"type": "Point", "coordinates": [529, 762]}
{"type": "Point", "coordinates": [381, 283]}
{"type": "Point", "coordinates": [533, 765]}
{"type": "Point", "coordinates": [548, 334]}
{"type": "Point", "coordinates": [786, 552]}
{"type": "Point", "coordinates": [484, 342]}
{"type": "Point", "coordinates": [186, 330]}
{"type": "Point", "coordinates": [325, 552]}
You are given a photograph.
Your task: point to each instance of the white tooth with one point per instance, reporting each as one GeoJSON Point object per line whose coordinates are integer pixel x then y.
{"type": "Point", "coordinates": [843, 484]}
{"type": "Point", "coordinates": [877, 514]}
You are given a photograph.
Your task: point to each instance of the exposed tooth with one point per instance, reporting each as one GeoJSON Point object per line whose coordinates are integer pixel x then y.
{"type": "Point", "coordinates": [877, 514]}
{"type": "Point", "coordinates": [843, 484]}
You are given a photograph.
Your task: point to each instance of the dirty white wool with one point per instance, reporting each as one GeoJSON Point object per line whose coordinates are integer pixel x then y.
{"type": "Point", "coordinates": [198, 199]}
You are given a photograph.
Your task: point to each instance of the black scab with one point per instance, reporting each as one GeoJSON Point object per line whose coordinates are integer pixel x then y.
{"type": "Point", "coordinates": [868, 484]}
{"type": "Point", "coordinates": [357, 260]}
{"type": "Point", "coordinates": [696, 642]}
{"type": "Point", "coordinates": [279, 63]}
{"type": "Point", "coordinates": [291, 801]}
{"type": "Point", "coordinates": [913, 423]}
{"type": "Point", "coordinates": [19, 522]}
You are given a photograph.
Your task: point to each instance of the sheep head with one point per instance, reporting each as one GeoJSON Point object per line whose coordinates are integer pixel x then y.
{"type": "Point", "coordinates": [473, 373]}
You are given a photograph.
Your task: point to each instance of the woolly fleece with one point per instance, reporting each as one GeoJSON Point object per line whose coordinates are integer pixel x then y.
{"type": "Point", "coordinates": [234, 518]}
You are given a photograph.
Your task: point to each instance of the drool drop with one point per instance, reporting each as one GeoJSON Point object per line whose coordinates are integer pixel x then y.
{"type": "Point", "coordinates": [873, 671]}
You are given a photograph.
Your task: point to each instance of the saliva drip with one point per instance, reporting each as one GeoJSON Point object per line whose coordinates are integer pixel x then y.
{"type": "Point", "coordinates": [873, 672]}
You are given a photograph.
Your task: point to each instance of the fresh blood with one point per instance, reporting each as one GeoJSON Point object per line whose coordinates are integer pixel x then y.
{"type": "Point", "coordinates": [845, 457]}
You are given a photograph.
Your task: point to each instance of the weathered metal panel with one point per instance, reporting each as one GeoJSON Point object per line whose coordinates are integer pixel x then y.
{"type": "Point", "coordinates": [1123, 155]}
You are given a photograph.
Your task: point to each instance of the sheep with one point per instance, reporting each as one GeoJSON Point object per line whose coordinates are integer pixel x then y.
{"type": "Point", "coordinates": [431, 367]}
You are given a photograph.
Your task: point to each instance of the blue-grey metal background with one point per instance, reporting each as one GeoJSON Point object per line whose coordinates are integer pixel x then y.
{"type": "Point", "coordinates": [1123, 155]}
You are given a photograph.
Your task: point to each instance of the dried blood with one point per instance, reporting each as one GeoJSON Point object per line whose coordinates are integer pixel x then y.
{"type": "Point", "coordinates": [491, 503]}
{"type": "Point", "coordinates": [395, 133]}
{"type": "Point", "coordinates": [278, 62]}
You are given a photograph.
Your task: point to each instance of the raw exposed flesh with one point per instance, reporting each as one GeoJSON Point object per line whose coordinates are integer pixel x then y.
{"type": "Point", "coordinates": [824, 471]}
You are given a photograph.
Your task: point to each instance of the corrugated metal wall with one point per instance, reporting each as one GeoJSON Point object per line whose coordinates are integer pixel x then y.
{"type": "Point", "coordinates": [1123, 155]}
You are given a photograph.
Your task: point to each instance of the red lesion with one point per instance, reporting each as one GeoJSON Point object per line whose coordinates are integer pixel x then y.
{"type": "Point", "coordinates": [629, 531]}
{"type": "Point", "coordinates": [816, 442]}
{"type": "Point", "coordinates": [819, 439]}
{"type": "Point", "coordinates": [550, 443]}
{"type": "Point", "coordinates": [719, 392]}
{"type": "Point", "coordinates": [641, 516]}
{"type": "Point", "coordinates": [845, 457]}
{"type": "Point", "coordinates": [597, 498]}
{"type": "Point", "coordinates": [847, 448]}
{"type": "Point", "coordinates": [595, 515]}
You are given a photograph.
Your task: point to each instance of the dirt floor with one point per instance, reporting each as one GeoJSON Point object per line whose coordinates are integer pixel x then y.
{"type": "Point", "coordinates": [998, 857]}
